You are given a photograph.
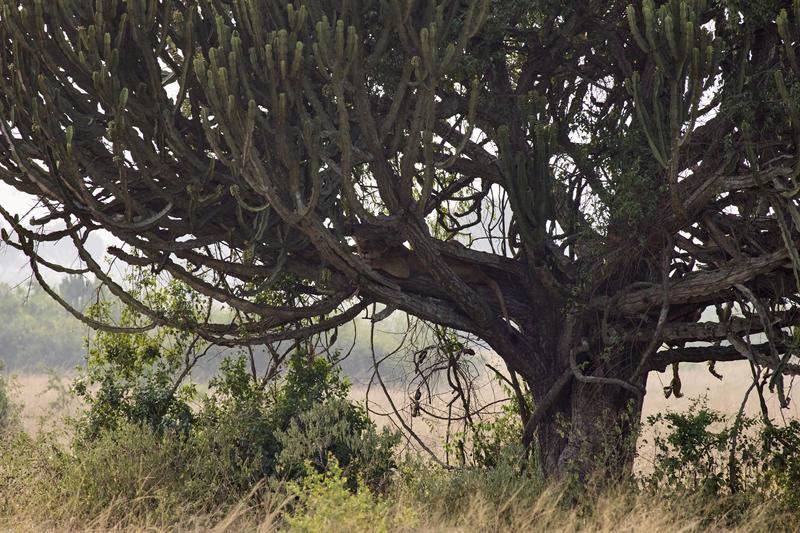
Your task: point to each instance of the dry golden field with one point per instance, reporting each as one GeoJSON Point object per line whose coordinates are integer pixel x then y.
{"type": "Point", "coordinates": [44, 399]}
{"type": "Point", "coordinates": [483, 503]}
{"type": "Point", "coordinates": [43, 395]}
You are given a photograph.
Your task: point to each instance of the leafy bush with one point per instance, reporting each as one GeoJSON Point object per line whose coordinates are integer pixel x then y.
{"type": "Point", "coordinates": [691, 455]}
{"type": "Point", "coordinates": [243, 430]}
{"type": "Point", "coordinates": [493, 439]}
{"type": "Point", "coordinates": [325, 503]}
{"type": "Point", "coordinates": [305, 417]}
{"type": "Point", "coordinates": [140, 378]}
{"type": "Point", "coordinates": [149, 438]}
{"type": "Point", "coordinates": [8, 410]}
{"type": "Point", "coordinates": [340, 430]}
{"type": "Point", "coordinates": [704, 451]}
{"type": "Point", "coordinates": [781, 446]}
{"type": "Point", "coordinates": [147, 399]}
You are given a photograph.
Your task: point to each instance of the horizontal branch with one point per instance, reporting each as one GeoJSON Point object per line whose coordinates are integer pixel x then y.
{"type": "Point", "coordinates": [715, 331]}
{"type": "Point", "coordinates": [697, 287]}
{"type": "Point", "coordinates": [701, 354]}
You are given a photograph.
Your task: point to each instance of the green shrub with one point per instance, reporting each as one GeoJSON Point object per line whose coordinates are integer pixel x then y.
{"type": "Point", "coordinates": [306, 416]}
{"type": "Point", "coordinates": [781, 447]}
{"type": "Point", "coordinates": [129, 470]}
{"type": "Point", "coordinates": [254, 429]}
{"type": "Point", "coordinates": [9, 411]}
{"type": "Point", "coordinates": [325, 503]}
{"type": "Point", "coordinates": [242, 431]}
{"type": "Point", "coordinates": [690, 452]}
{"type": "Point", "coordinates": [704, 451]}
{"type": "Point", "coordinates": [340, 430]}
{"type": "Point", "coordinates": [141, 378]}
{"type": "Point", "coordinates": [492, 441]}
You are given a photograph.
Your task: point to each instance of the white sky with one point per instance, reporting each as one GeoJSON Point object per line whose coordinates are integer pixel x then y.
{"type": "Point", "coordinates": [14, 268]}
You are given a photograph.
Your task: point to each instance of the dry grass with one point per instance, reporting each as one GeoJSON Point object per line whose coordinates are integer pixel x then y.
{"type": "Point", "coordinates": [44, 400]}
{"type": "Point", "coordinates": [610, 513]}
{"type": "Point", "coordinates": [409, 509]}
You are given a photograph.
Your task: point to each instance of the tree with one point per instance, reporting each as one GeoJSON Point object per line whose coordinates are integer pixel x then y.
{"type": "Point", "coordinates": [36, 331]}
{"type": "Point", "coordinates": [572, 182]}
{"type": "Point", "coordinates": [77, 291]}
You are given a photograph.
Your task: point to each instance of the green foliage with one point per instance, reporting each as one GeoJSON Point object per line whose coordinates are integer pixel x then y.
{"type": "Point", "coordinates": [704, 451]}
{"type": "Point", "coordinates": [139, 377]}
{"type": "Point", "coordinates": [325, 503]}
{"type": "Point", "coordinates": [340, 430]}
{"type": "Point", "coordinates": [635, 192]}
{"type": "Point", "coordinates": [147, 399]}
{"type": "Point", "coordinates": [498, 438]}
{"type": "Point", "coordinates": [132, 475]}
{"type": "Point", "coordinates": [781, 449]}
{"type": "Point", "coordinates": [244, 429]}
{"type": "Point", "coordinates": [306, 417]}
{"type": "Point", "coordinates": [691, 456]}
{"type": "Point", "coordinates": [37, 331]}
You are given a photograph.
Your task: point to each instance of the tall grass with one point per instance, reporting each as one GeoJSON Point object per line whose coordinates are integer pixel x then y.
{"type": "Point", "coordinates": [134, 479]}
{"type": "Point", "coordinates": [137, 483]}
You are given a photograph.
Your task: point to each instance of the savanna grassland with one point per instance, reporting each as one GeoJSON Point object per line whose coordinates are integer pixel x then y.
{"type": "Point", "coordinates": [400, 265]}
{"type": "Point", "coordinates": [112, 458]}
{"type": "Point", "coordinates": [133, 478]}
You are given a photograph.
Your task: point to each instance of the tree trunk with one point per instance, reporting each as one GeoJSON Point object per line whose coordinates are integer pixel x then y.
{"type": "Point", "coordinates": [586, 406]}
{"type": "Point", "coordinates": [590, 429]}
{"type": "Point", "coordinates": [591, 432]}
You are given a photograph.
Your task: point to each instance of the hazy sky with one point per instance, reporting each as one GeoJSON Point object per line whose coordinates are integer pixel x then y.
{"type": "Point", "coordinates": [14, 268]}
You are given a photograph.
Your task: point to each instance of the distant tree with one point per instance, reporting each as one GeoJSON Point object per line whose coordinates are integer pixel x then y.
{"type": "Point", "coordinates": [35, 332]}
{"type": "Point", "coordinates": [77, 291]}
{"type": "Point", "coordinates": [572, 182]}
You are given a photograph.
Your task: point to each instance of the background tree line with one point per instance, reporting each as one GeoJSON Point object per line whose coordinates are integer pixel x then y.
{"type": "Point", "coordinates": [36, 333]}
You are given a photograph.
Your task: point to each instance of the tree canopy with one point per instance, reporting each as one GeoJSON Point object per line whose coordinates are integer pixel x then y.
{"type": "Point", "coordinates": [573, 182]}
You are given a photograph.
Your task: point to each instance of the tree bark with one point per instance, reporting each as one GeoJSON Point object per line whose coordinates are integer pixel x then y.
{"type": "Point", "coordinates": [589, 430]}
{"type": "Point", "coordinates": [601, 431]}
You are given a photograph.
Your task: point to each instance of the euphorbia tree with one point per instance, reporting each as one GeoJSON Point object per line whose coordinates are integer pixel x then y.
{"type": "Point", "coordinates": [572, 182]}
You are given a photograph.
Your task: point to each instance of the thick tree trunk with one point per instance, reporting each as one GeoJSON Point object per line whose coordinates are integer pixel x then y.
{"type": "Point", "coordinates": [589, 429]}
{"type": "Point", "coordinates": [591, 432]}
{"type": "Point", "coordinates": [587, 402]}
